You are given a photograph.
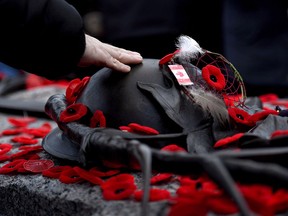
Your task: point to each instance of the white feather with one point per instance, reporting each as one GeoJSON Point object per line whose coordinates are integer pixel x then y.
{"type": "Point", "coordinates": [189, 49]}
{"type": "Point", "coordinates": [210, 103]}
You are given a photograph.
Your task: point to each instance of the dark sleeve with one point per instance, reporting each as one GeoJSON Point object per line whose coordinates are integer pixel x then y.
{"type": "Point", "coordinates": [44, 37]}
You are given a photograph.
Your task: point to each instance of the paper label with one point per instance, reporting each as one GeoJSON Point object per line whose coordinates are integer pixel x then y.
{"type": "Point", "coordinates": [180, 74]}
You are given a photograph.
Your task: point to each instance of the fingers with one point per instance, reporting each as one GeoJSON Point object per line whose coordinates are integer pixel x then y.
{"type": "Point", "coordinates": [102, 54]}
{"type": "Point", "coordinates": [123, 55]}
{"type": "Point", "coordinates": [114, 64]}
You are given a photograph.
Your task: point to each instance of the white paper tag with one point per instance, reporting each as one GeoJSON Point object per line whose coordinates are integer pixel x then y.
{"type": "Point", "coordinates": [180, 74]}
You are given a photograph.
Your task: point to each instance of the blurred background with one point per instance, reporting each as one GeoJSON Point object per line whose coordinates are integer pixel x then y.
{"type": "Point", "coordinates": [251, 34]}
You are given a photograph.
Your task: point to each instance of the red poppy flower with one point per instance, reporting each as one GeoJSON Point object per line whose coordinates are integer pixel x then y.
{"type": "Point", "coordinates": [41, 131]}
{"type": "Point", "coordinates": [126, 129]}
{"type": "Point", "coordinates": [258, 197]}
{"type": "Point", "coordinates": [228, 140]}
{"type": "Point", "coordinates": [4, 158]}
{"type": "Point", "coordinates": [279, 133]}
{"type": "Point", "coordinates": [112, 164]}
{"type": "Point", "coordinates": [173, 148]}
{"type": "Point", "coordinates": [4, 148]}
{"type": "Point", "coordinates": [188, 181]}
{"type": "Point", "coordinates": [161, 178]}
{"type": "Point", "coordinates": [33, 156]}
{"type": "Point", "coordinates": [73, 112]}
{"type": "Point", "coordinates": [24, 140]}
{"type": "Point", "coordinates": [268, 97]}
{"type": "Point", "coordinates": [155, 194]}
{"type": "Point", "coordinates": [240, 116]}
{"type": "Point", "coordinates": [24, 154]}
{"type": "Point", "coordinates": [213, 76]}
{"type": "Point", "coordinates": [119, 191]}
{"type": "Point", "coordinates": [189, 191]}
{"type": "Point", "coordinates": [186, 207]}
{"type": "Point", "coordinates": [98, 119]}
{"type": "Point", "coordinates": [136, 128]}
{"type": "Point", "coordinates": [279, 200]}
{"type": "Point", "coordinates": [261, 115]}
{"type": "Point", "coordinates": [102, 173]}
{"type": "Point", "coordinates": [124, 177]}
{"type": "Point", "coordinates": [12, 166]}
{"type": "Point", "coordinates": [38, 166]}
{"type": "Point", "coordinates": [75, 88]}
{"type": "Point", "coordinates": [221, 205]}
{"type": "Point", "coordinates": [31, 148]}
{"type": "Point", "coordinates": [70, 176]}
{"type": "Point", "coordinates": [21, 121]}
{"type": "Point", "coordinates": [88, 176]}
{"type": "Point", "coordinates": [14, 131]}
{"type": "Point", "coordinates": [167, 57]}
{"type": "Point", "coordinates": [55, 171]}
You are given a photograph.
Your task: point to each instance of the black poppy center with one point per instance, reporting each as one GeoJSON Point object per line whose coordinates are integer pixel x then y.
{"type": "Point", "coordinates": [240, 116]}
{"type": "Point", "coordinates": [119, 190]}
{"type": "Point", "coordinates": [71, 111]}
{"type": "Point", "coordinates": [213, 78]}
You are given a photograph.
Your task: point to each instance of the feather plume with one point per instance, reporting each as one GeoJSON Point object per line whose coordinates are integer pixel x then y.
{"type": "Point", "coordinates": [189, 49]}
{"type": "Point", "coordinates": [210, 103]}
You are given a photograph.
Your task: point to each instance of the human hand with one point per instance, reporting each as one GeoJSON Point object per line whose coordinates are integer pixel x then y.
{"type": "Point", "coordinates": [106, 55]}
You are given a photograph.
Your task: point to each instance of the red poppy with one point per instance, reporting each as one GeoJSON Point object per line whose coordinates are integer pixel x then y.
{"type": "Point", "coordinates": [213, 76]}
{"type": "Point", "coordinates": [88, 176]}
{"type": "Point", "coordinates": [161, 178]}
{"type": "Point", "coordinates": [31, 148]}
{"type": "Point", "coordinates": [261, 115]}
{"type": "Point", "coordinates": [24, 140]}
{"type": "Point", "coordinates": [73, 112]}
{"type": "Point", "coordinates": [137, 128]}
{"type": "Point", "coordinates": [12, 166]}
{"type": "Point", "coordinates": [155, 194]}
{"type": "Point", "coordinates": [25, 154]}
{"type": "Point", "coordinates": [21, 121]}
{"type": "Point", "coordinates": [41, 131]}
{"type": "Point", "coordinates": [173, 148]}
{"type": "Point", "coordinates": [268, 97]}
{"type": "Point", "coordinates": [228, 140]}
{"type": "Point", "coordinates": [33, 156]}
{"type": "Point", "coordinates": [98, 119]}
{"type": "Point", "coordinates": [167, 58]}
{"type": "Point", "coordinates": [258, 197]}
{"type": "Point", "coordinates": [119, 191]}
{"type": "Point", "coordinates": [221, 205]}
{"type": "Point", "coordinates": [55, 171]}
{"type": "Point", "coordinates": [75, 88]}
{"type": "Point", "coordinates": [279, 200]}
{"type": "Point", "coordinates": [103, 173]}
{"type": "Point", "coordinates": [124, 177]}
{"type": "Point", "coordinates": [14, 131]}
{"type": "Point", "coordinates": [277, 133]}
{"type": "Point", "coordinates": [70, 176]}
{"type": "Point", "coordinates": [38, 166]}
{"type": "Point", "coordinates": [4, 158]}
{"type": "Point", "coordinates": [186, 207]}
{"type": "Point", "coordinates": [4, 148]}
{"type": "Point", "coordinates": [240, 116]}
{"type": "Point", "coordinates": [126, 129]}
{"type": "Point", "coordinates": [188, 181]}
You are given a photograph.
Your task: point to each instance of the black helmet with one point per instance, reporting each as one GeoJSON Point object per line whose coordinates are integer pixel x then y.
{"type": "Point", "coordinates": [170, 96]}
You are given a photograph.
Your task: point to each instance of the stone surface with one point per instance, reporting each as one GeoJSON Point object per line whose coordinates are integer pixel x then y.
{"type": "Point", "coordinates": [33, 194]}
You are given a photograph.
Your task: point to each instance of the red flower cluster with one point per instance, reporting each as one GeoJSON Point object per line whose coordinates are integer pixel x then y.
{"type": "Point", "coordinates": [242, 117]}
{"type": "Point", "coordinates": [140, 129]}
{"type": "Point", "coordinates": [73, 112]}
{"type": "Point", "coordinates": [75, 88]}
{"type": "Point", "coordinates": [213, 76]}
